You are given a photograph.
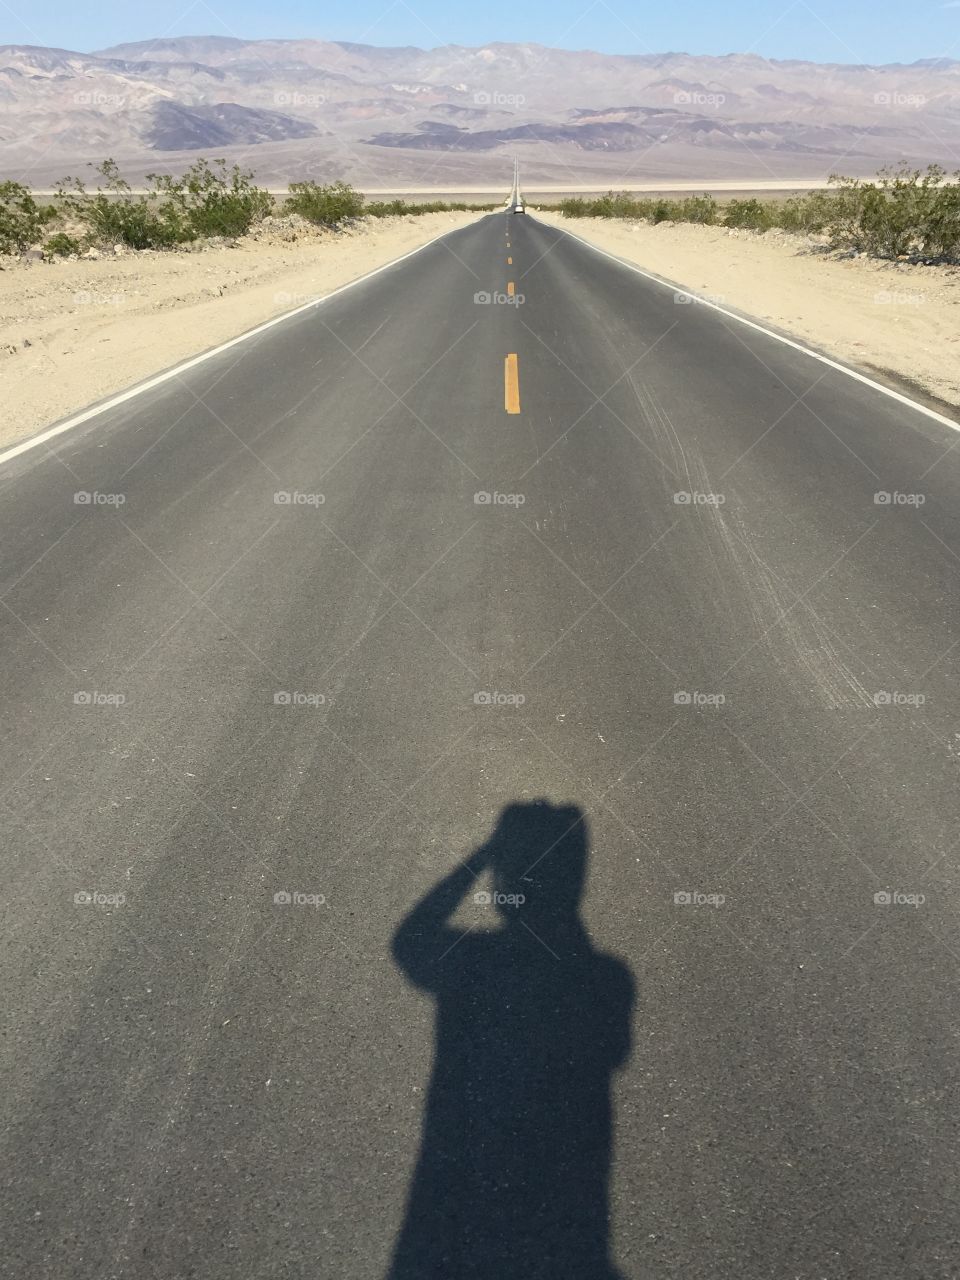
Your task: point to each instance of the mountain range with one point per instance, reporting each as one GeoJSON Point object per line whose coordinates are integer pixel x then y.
{"type": "Point", "coordinates": [290, 109]}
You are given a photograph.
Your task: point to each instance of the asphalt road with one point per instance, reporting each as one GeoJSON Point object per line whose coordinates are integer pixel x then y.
{"type": "Point", "coordinates": [356, 698]}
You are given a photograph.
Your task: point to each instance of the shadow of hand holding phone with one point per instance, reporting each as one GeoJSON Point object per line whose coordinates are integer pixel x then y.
{"type": "Point", "coordinates": [531, 1022]}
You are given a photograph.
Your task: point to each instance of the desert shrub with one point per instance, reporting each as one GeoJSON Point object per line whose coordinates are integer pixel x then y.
{"type": "Point", "coordinates": [620, 204]}
{"type": "Point", "coordinates": [910, 202]}
{"type": "Point", "coordinates": [614, 204]}
{"type": "Point", "coordinates": [905, 211]}
{"type": "Point", "coordinates": [940, 228]}
{"type": "Point", "coordinates": [575, 207]}
{"type": "Point", "coordinates": [114, 214]}
{"type": "Point", "coordinates": [61, 245]}
{"type": "Point", "coordinates": [802, 213]}
{"type": "Point", "coordinates": [752, 215]}
{"type": "Point", "coordinates": [663, 211]}
{"type": "Point", "coordinates": [21, 219]}
{"type": "Point", "coordinates": [398, 208]}
{"type": "Point", "coordinates": [702, 209]}
{"type": "Point", "coordinates": [861, 218]}
{"type": "Point", "coordinates": [385, 208]}
{"type": "Point", "coordinates": [206, 200]}
{"type": "Point", "coordinates": [924, 210]}
{"type": "Point", "coordinates": [209, 200]}
{"type": "Point", "coordinates": [326, 205]}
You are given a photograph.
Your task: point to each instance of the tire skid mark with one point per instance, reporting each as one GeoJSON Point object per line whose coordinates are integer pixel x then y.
{"type": "Point", "coordinates": [798, 640]}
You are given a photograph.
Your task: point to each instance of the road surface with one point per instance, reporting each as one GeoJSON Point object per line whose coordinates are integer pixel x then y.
{"type": "Point", "coordinates": [278, 676]}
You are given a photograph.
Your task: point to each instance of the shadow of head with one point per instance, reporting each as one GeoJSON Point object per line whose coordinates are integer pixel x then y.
{"type": "Point", "coordinates": [538, 858]}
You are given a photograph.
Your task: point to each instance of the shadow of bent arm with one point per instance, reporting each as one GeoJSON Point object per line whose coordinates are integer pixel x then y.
{"type": "Point", "coordinates": [424, 936]}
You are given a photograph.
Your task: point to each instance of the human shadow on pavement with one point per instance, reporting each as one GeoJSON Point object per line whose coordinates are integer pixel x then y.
{"type": "Point", "coordinates": [531, 1021]}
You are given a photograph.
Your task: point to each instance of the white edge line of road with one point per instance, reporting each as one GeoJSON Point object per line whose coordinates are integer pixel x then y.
{"type": "Point", "coordinates": [69, 423]}
{"type": "Point", "coordinates": [771, 333]}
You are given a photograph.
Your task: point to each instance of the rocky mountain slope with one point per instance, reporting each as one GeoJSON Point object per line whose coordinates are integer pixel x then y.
{"type": "Point", "coordinates": [288, 108]}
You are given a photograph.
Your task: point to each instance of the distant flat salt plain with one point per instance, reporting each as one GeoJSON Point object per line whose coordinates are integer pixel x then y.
{"type": "Point", "coordinates": [552, 193]}
{"type": "Point", "coordinates": [719, 186]}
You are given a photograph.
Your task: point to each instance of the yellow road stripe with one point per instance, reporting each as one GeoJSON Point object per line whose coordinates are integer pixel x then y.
{"type": "Point", "coordinates": [510, 288]}
{"type": "Point", "coordinates": [509, 262]}
{"type": "Point", "coordinates": [511, 384]}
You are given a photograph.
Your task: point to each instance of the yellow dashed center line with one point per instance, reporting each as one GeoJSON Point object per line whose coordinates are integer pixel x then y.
{"type": "Point", "coordinates": [509, 262]}
{"type": "Point", "coordinates": [511, 384]}
{"type": "Point", "coordinates": [510, 288]}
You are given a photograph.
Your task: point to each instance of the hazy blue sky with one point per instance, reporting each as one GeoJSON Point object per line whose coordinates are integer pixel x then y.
{"type": "Point", "coordinates": [851, 31]}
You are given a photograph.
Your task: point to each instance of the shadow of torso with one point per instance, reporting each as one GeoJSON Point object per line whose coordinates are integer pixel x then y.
{"type": "Point", "coordinates": [512, 1179]}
